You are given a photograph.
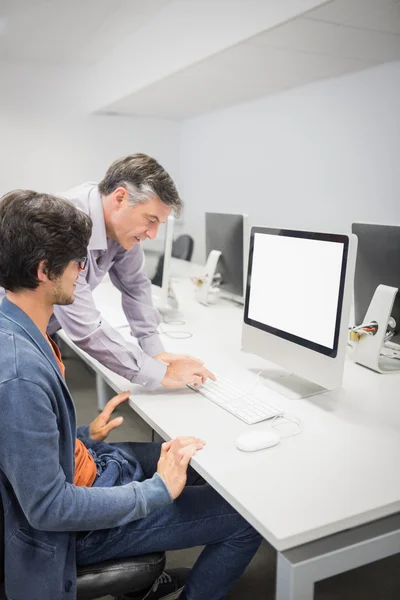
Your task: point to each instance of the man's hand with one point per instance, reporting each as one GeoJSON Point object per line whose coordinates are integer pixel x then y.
{"type": "Point", "coordinates": [101, 427]}
{"type": "Point", "coordinates": [183, 369]}
{"type": "Point", "coordinates": [168, 358]}
{"type": "Point", "coordinates": [173, 463]}
{"type": "Point", "coordinates": [186, 370]}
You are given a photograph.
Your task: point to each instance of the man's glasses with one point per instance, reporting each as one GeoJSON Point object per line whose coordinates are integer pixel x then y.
{"type": "Point", "coordinates": [82, 262]}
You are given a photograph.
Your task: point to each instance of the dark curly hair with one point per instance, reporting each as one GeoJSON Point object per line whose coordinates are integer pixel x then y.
{"type": "Point", "coordinates": [36, 227]}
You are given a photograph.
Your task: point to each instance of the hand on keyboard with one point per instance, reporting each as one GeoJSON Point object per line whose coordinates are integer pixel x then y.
{"type": "Point", "coordinates": [184, 371]}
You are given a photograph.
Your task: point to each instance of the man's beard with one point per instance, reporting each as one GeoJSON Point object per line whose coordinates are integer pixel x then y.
{"type": "Point", "coordinates": [61, 297]}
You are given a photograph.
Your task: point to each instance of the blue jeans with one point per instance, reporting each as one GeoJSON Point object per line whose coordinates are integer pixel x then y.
{"type": "Point", "coordinates": [199, 517]}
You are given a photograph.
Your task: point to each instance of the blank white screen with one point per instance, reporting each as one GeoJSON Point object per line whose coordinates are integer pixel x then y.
{"type": "Point", "coordinates": [295, 286]}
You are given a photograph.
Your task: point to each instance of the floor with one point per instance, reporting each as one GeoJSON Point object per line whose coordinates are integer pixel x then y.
{"type": "Point", "coordinates": [379, 581]}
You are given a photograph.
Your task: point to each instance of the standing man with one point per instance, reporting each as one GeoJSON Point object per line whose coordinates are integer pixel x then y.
{"type": "Point", "coordinates": [126, 207]}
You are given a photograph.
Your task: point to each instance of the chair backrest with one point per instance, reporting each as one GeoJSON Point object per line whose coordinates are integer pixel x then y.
{"type": "Point", "coordinates": [181, 248]}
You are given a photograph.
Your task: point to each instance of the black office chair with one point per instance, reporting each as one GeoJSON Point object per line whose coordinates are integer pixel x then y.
{"type": "Point", "coordinates": [182, 248]}
{"type": "Point", "coordinates": [112, 577]}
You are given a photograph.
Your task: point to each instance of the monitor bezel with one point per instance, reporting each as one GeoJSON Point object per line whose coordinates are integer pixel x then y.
{"type": "Point", "coordinates": [328, 237]}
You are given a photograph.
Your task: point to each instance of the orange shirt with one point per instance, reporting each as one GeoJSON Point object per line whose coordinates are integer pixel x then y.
{"type": "Point", "coordinates": [85, 467]}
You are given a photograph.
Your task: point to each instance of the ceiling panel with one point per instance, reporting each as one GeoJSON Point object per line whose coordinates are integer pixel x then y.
{"type": "Point", "coordinates": [236, 75]}
{"type": "Point", "coordinates": [12, 7]}
{"type": "Point", "coordinates": [299, 34]}
{"type": "Point", "coordinates": [55, 31]}
{"type": "Point", "coordinates": [48, 31]}
{"type": "Point", "coordinates": [305, 35]}
{"type": "Point", "coordinates": [358, 43]}
{"type": "Point", "coordinates": [387, 20]}
{"type": "Point", "coordinates": [130, 17]}
{"type": "Point", "coordinates": [8, 10]}
{"type": "Point", "coordinates": [343, 11]}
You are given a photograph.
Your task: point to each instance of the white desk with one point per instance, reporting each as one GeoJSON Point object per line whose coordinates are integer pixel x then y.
{"type": "Point", "coordinates": [302, 495]}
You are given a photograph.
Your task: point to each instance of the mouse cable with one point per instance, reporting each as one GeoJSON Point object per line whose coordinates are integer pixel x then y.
{"type": "Point", "coordinates": [290, 419]}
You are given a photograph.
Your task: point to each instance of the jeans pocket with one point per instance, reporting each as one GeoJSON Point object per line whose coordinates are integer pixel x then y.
{"type": "Point", "coordinates": [28, 561]}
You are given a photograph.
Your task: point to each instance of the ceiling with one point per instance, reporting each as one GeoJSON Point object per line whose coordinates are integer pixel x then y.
{"type": "Point", "coordinates": [340, 37]}
{"type": "Point", "coordinates": [69, 32]}
{"type": "Point", "coordinates": [91, 37]}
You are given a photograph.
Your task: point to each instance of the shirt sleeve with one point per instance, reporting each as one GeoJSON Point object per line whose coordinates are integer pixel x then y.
{"type": "Point", "coordinates": [129, 277]}
{"type": "Point", "coordinates": [30, 443]}
{"type": "Point", "coordinates": [84, 325]}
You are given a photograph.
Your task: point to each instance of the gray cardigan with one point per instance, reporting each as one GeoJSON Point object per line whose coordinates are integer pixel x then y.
{"type": "Point", "coordinates": [42, 507]}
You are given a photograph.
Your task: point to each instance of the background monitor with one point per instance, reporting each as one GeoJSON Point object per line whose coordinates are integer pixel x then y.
{"type": "Point", "coordinates": [297, 306]}
{"type": "Point", "coordinates": [378, 262]}
{"type": "Point", "coordinates": [228, 233]}
{"type": "Point", "coordinates": [163, 296]}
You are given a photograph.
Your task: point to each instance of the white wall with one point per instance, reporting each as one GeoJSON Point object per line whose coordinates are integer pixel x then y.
{"type": "Point", "coordinates": [317, 157]}
{"type": "Point", "coordinates": [55, 151]}
{"type": "Point", "coordinates": [49, 143]}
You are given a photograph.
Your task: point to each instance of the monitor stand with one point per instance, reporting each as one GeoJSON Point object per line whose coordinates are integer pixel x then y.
{"type": "Point", "coordinates": [165, 302]}
{"type": "Point", "coordinates": [205, 293]}
{"type": "Point", "coordinates": [289, 384]}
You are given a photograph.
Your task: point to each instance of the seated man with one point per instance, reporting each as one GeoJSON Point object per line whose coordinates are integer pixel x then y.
{"type": "Point", "coordinates": [68, 500]}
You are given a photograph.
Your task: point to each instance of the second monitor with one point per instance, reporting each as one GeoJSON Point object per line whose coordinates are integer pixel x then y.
{"type": "Point", "coordinates": [377, 263]}
{"type": "Point", "coordinates": [228, 234]}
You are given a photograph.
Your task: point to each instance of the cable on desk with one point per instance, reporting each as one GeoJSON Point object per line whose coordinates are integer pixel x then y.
{"type": "Point", "coordinates": [175, 334]}
{"type": "Point", "coordinates": [174, 321]}
{"type": "Point", "coordinates": [290, 419]}
{"type": "Point", "coordinates": [284, 416]}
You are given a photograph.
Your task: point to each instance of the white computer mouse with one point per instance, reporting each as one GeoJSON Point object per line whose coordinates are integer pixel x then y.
{"type": "Point", "coordinates": [257, 440]}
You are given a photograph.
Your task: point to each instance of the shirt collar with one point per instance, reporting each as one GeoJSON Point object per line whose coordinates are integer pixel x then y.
{"type": "Point", "coordinates": [98, 241]}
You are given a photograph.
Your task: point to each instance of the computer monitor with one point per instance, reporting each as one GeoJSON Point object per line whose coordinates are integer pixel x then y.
{"type": "Point", "coordinates": [163, 297]}
{"type": "Point", "coordinates": [228, 234]}
{"type": "Point", "coordinates": [378, 262]}
{"type": "Point", "coordinates": [297, 307]}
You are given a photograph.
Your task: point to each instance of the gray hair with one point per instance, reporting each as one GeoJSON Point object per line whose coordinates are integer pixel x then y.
{"type": "Point", "coordinates": [136, 195]}
{"type": "Point", "coordinates": [143, 178]}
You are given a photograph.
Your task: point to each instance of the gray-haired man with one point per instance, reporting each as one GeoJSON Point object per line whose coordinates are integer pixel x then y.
{"type": "Point", "coordinates": [126, 207]}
